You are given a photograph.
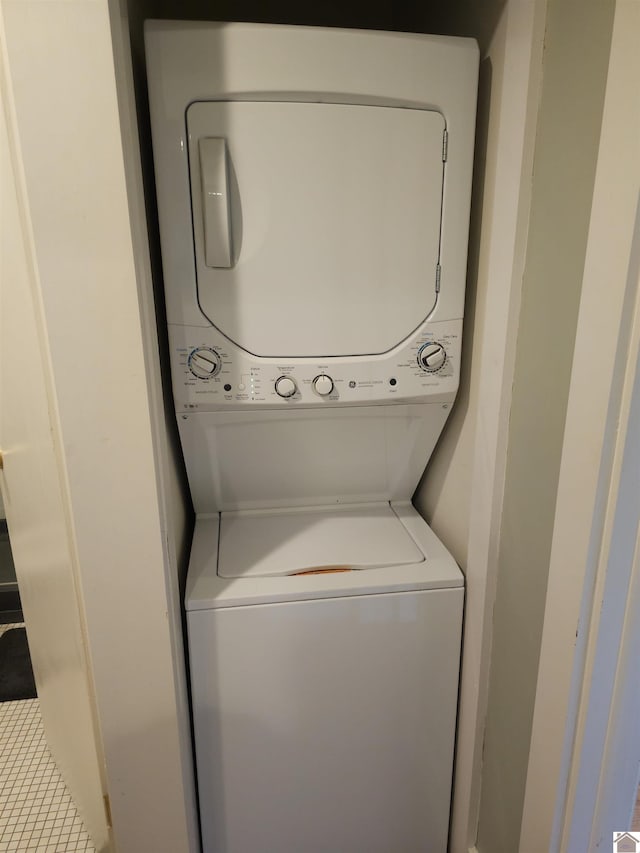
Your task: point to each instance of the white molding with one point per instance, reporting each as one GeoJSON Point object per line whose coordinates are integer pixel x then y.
{"type": "Point", "coordinates": [64, 87]}
{"type": "Point", "coordinates": [40, 519]}
{"type": "Point", "coordinates": [171, 504]}
{"type": "Point", "coordinates": [610, 749]}
{"type": "Point", "coordinates": [516, 57]}
{"type": "Point", "coordinates": [587, 485]}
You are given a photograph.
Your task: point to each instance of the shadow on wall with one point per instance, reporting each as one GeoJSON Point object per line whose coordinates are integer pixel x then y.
{"type": "Point", "coordinates": [471, 18]}
{"type": "Point", "coordinates": [442, 458]}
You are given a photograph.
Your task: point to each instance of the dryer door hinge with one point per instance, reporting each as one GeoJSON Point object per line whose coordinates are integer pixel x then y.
{"type": "Point", "coordinates": [107, 810]}
{"type": "Point", "coordinates": [438, 274]}
{"type": "Point", "coordinates": [445, 145]}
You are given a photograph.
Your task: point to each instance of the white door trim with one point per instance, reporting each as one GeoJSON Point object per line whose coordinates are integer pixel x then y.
{"type": "Point", "coordinates": [604, 774]}
{"type": "Point", "coordinates": [513, 113]}
{"type": "Point", "coordinates": [36, 496]}
{"type": "Point", "coordinates": [87, 244]}
{"type": "Point", "coordinates": [597, 419]}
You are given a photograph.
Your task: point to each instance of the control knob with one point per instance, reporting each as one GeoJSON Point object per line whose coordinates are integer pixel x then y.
{"type": "Point", "coordinates": [431, 357]}
{"type": "Point", "coordinates": [204, 362]}
{"type": "Point", "coordinates": [285, 386]}
{"type": "Point", "coordinates": [323, 385]}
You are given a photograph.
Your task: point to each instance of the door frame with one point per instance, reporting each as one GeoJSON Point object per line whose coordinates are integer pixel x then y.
{"type": "Point", "coordinates": [594, 559]}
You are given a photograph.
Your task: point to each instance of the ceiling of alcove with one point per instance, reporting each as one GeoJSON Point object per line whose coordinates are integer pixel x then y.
{"type": "Point", "coordinates": [475, 18]}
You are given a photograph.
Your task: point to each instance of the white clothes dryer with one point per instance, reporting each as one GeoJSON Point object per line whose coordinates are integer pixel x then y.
{"type": "Point", "coordinates": [313, 196]}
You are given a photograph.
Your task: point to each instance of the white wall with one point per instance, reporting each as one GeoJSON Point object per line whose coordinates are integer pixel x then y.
{"type": "Point", "coordinates": [462, 489]}
{"type": "Point", "coordinates": [585, 744]}
{"type": "Point", "coordinates": [574, 76]}
{"type": "Point", "coordinates": [514, 54]}
{"type": "Point", "coordinates": [64, 86]}
{"type": "Point", "coordinates": [443, 496]}
{"type": "Point", "coordinates": [33, 482]}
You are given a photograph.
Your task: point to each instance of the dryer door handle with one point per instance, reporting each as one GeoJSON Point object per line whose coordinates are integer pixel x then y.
{"type": "Point", "coordinates": [216, 211]}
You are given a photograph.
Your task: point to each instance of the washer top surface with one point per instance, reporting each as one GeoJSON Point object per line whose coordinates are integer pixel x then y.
{"type": "Point", "coordinates": [276, 543]}
{"type": "Point", "coordinates": [263, 551]}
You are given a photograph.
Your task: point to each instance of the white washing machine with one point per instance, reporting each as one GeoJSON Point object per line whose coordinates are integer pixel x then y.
{"type": "Point", "coordinates": [313, 193]}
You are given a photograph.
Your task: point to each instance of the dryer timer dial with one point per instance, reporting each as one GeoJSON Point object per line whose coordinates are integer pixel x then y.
{"type": "Point", "coordinates": [204, 362]}
{"type": "Point", "coordinates": [431, 357]}
{"type": "Point", "coordinates": [323, 385]}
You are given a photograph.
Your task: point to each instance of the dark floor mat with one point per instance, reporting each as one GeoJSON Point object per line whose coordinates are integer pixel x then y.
{"type": "Point", "coordinates": [16, 675]}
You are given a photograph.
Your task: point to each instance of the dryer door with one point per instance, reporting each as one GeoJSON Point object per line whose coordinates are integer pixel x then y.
{"type": "Point", "coordinates": [316, 226]}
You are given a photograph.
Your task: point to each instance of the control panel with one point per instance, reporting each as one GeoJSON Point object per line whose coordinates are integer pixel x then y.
{"type": "Point", "coordinates": [211, 373]}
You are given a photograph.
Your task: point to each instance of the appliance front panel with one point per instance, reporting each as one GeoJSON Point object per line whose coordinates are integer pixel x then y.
{"type": "Point", "coordinates": [327, 725]}
{"type": "Point", "coordinates": [298, 457]}
{"type": "Point", "coordinates": [316, 226]}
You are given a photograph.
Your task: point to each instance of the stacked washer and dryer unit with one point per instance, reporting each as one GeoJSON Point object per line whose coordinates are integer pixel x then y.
{"type": "Point", "coordinates": [313, 191]}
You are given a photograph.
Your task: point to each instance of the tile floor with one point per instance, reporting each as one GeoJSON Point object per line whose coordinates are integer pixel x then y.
{"type": "Point", "coordinates": [36, 811]}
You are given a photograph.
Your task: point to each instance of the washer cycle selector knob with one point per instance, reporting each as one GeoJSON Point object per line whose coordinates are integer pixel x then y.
{"type": "Point", "coordinates": [285, 386]}
{"type": "Point", "coordinates": [323, 385]}
{"type": "Point", "coordinates": [204, 362]}
{"type": "Point", "coordinates": [431, 357]}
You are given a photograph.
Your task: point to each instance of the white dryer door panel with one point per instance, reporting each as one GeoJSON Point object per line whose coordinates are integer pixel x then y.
{"type": "Point", "coordinates": [316, 226]}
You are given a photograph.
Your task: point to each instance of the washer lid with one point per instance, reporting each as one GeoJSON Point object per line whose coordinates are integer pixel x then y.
{"type": "Point", "coordinates": [275, 543]}
{"type": "Point", "coordinates": [316, 226]}
{"type": "Point", "coordinates": [206, 590]}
